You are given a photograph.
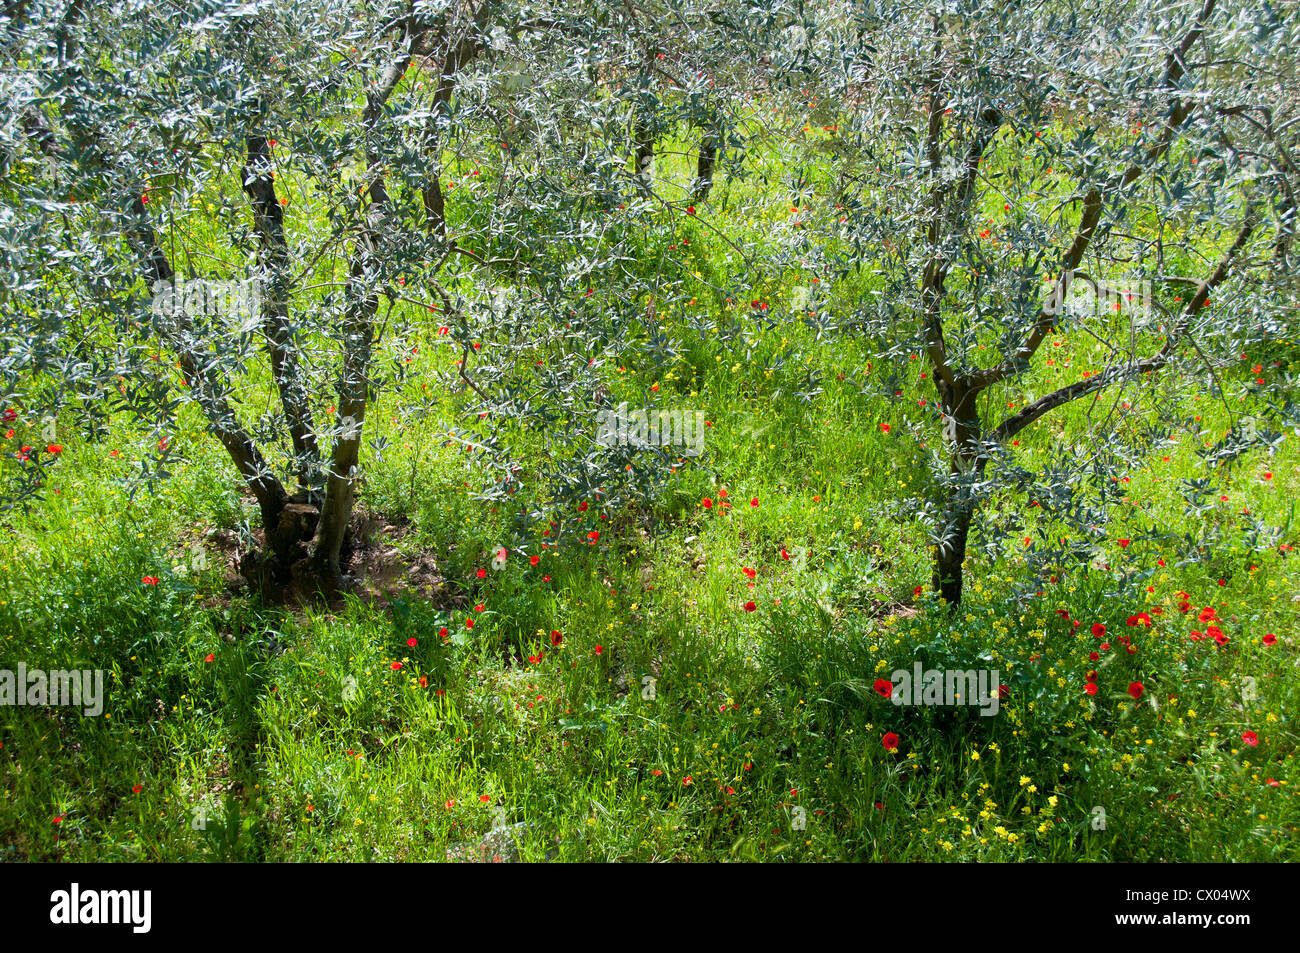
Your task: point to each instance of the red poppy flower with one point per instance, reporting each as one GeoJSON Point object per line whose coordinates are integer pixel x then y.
{"type": "Point", "coordinates": [469, 623]}
{"type": "Point", "coordinates": [1135, 689]}
{"type": "Point", "coordinates": [750, 607]}
{"type": "Point", "coordinates": [150, 580]}
{"type": "Point", "coordinates": [1123, 543]}
{"type": "Point", "coordinates": [411, 642]}
{"type": "Point", "coordinates": [884, 688]}
{"type": "Point", "coordinates": [890, 740]}
{"type": "Point", "coordinates": [754, 502]}
{"type": "Point", "coordinates": [137, 788]}
{"type": "Point", "coordinates": [1250, 738]}
{"type": "Point", "coordinates": [1269, 639]}
{"type": "Point", "coordinates": [485, 798]}
{"type": "Point", "coordinates": [1090, 688]}
{"type": "Point", "coordinates": [885, 427]}
{"type": "Point", "coordinates": [424, 681]}
{"type": "Point", "coordinates": [54, 448]}
{"type": "Point", "coordinates": [1098, 629]}
{"type": "Point", "coordinates": [395, 666]}
{"type": "Point", "coordinates": [707, 503]}
{"type": "Point", "coordinates": [556, 638]}
{"type": "Point", "coordinates": [534, 560]}
{"type": "Point", "coordinates": [444, 633]}
{"type": "Point", "coordinates": [600, 649]}
{"type": "Point", "coordinates": [751, 573]}
{"type": "Point", "coordinates": [210, 657]}
{"type": "Point", "coordinates": [482, 573]}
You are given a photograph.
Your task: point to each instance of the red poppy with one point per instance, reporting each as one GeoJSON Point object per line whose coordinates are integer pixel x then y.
{"type": "Point", "coordinates": [54, 448]}
{"type": "Point", "coordinates": [411, 642]}
{"type": "Point", "coordinates": [484, 798]}
{"type": "Point", "coordinates": [890, 740]}
{"type": "Point", "coordinates": [885, 427]}
{"type": "Point", "coordinates": [750, 607]}
{"type": "Point", "coordinates": [751, 573]}
{"type": "Point", "coordinates": [469, 623]}
{"type": "Point", "coordinates": [1123, 543]}
{"type": "Point", "coordinates": [600, 649]}
{"type": "Point", "coordinates": [884, 688]}
{"type": "Point", "coordinates": [136, 789]}
{"type": "Point", "coordinates": [482, 574]}
{"type": "Point", "coordinates": [754, 502]}
{"type": "Point", "coordinates": [444, 633]}
{"type": "Point", "coordinates": [1135, 689]}
{"type": "Point", "coordinates": [1090, 688]}
{"type": "Point", "coordinates": [395, 666]}
{"type": "Point", "coordinates": [1098, 629]}
{"type": "Point", "coordinates": [150, 580]}
{"type": "Point", "coordinates": [424, 681]}
{"type": "Point", "coordinates": [534, 560]}
{"type": "Point", "coordinates": [1250, 738]}
{"type": "Point", "coordinates": [556, 638]}
{"type": "Point", "coordinates": [707, 503]}
{"type": "Point", "coordinates": [210, 657]}
{"type": "Point", "coordinates": [1269, 639]}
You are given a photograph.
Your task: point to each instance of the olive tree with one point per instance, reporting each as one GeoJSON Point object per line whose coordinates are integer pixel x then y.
{"type": "Point", "coordinates": [209, 201]}
{"type": "Point", "coordinates": [998, 160]}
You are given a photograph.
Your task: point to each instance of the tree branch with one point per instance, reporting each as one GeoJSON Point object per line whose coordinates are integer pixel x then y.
{"type": "Point", "coordinates": [1117, 372]}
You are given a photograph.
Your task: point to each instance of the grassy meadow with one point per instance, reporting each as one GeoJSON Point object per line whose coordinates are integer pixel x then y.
{"type": "Point", "coordinates": [702, 691]}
